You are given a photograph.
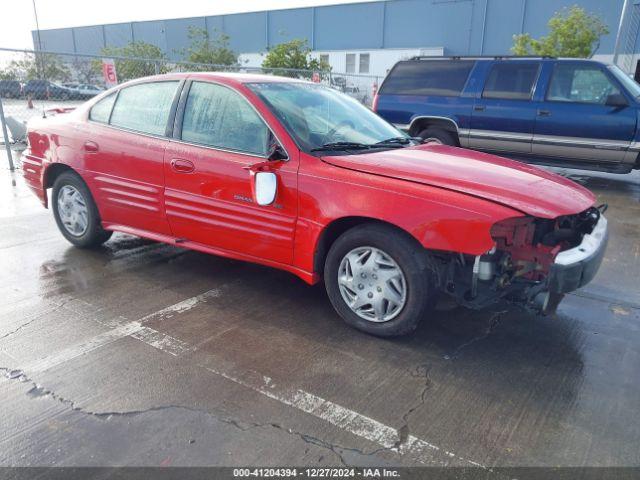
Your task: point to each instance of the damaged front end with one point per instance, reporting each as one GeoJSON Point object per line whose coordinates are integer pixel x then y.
{"type": "Point", "coordinates": [534, 261]}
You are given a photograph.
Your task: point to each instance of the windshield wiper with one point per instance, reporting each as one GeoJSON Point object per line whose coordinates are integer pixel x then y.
{"type": "Point", "coordinates": [399, 142]}
{"type": "Point", "coordinates": [395, 140]}
{"type": "Point", "coordinates": [341, 146]}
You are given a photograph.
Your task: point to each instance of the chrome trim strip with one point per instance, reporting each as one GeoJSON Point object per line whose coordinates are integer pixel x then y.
{"type": "Point", "coordinates": [401, 126]}
{"type": "Point", "coordinates": [218, 149]}
{"type": "Point", "coordinates": [576, 142]}
{"type": "Point", "coordinates": [589, 245]}
{"type": "Point", "coordinates": [496, 135]}
{"type": "Point", "coordinates": [580, 142]}
{"type": "Point", "coordinates": [128, 130]}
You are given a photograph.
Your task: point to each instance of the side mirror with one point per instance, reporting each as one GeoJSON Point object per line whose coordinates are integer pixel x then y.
{"type": "Point", "coordinates": [616, 100]}
{"type": "Point", "coordinates": [276, 152]}
{"type": "Point", "coordinates": [265, 187]}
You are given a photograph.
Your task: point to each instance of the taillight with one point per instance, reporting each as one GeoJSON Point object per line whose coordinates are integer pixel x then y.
{"type": "Point", "coordinates": [374, 105]}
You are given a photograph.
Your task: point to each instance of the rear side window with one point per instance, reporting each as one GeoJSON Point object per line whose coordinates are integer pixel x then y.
{"type": "Point", "coordinates": [144, 108]}
{"type": "Point", "coordinates": [435, 77]}
{"type": "Point", "coordinates": [101, 111]}
{"type": "Point", "coordinates": [511, 81]}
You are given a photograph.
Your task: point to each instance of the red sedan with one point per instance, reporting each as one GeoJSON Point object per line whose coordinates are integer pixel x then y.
{"type": "Point", "coordinates": [297, 176]}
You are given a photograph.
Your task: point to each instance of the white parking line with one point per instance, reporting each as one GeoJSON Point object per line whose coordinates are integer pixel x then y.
{"type": "Point", "coordinates": [180, 307]}
{"type": "Point", "coordinates": [135, 329]}
{"type": "Point", "coordinates": [348, 420]}
{"type": "Point", "coordinates": [337, 415]}
{"type": "Point", "coordinates": [77, 350]}
{"type": "Point", "coordinates": [162, 341]}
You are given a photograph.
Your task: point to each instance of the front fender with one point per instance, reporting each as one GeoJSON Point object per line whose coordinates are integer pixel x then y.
{"type": "Point", "coordinates": [437, 218]}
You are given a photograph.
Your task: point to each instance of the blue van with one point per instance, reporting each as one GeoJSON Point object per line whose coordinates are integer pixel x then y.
{"type": "Point", "coordinates": [562, 112]}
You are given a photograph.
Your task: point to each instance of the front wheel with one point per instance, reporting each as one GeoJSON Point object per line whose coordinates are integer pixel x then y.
{"type": "Point", "coordinates": [378, 280]}
{"type": "Point", "coordinates": [76, 213]}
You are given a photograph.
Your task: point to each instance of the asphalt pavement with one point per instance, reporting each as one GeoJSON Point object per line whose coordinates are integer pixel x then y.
{"type": "Point", "coordinates": [145, 354]}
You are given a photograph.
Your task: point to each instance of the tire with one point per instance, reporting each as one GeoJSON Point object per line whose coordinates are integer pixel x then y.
{"type": "Point", "coordinates": [409, 257]}
{"type": "Point", "coordinates": [438, 135]}
{"type": "Point", "coordinates": [76, 191]}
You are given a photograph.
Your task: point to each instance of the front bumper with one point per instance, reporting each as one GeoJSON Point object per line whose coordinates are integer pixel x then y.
{"type": "Point", "coordinates": [577, 266]}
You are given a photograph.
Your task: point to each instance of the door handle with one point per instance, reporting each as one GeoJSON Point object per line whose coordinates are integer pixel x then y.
{"type": "Point", "coordinates": [180, 165]}
{"type": "Point", "coordinates": [479, 108]}
{"type": "Point", "coordinates": [90, 146]}
{"type": "Point", "coordinates": [544, 113]}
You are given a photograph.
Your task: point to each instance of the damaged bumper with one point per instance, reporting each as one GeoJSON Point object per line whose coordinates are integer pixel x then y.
{"type": "Point", "coordinates": [577, 266]}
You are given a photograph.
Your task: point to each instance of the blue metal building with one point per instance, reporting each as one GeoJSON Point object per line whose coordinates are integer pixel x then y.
{"type": "Point", "coordinates": [385, 30]}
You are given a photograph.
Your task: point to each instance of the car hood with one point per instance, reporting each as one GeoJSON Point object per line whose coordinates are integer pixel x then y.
{"type": "Point", "coordinates": [528, 189]}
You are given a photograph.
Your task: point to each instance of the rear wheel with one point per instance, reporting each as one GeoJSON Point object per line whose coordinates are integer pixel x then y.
{"type": "Point", "coordinates": [76, 213]}
{"type": "Point", "coordinates": [378, 281]}
{"type": "Point", "coordinates": [437, 135]}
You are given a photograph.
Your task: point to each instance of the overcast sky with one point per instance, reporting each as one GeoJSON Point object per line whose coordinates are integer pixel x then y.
{"type": "Point", "coordinates": [18, 19]}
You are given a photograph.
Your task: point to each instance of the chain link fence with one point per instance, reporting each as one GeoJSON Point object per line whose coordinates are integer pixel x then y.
{"type": "Point", "coordinates": [33, 82]}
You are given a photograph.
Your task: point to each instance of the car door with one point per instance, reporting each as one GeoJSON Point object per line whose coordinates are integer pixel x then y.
{"type": "Point", "coordinates": [123, 152]}
{"type": "Point", "coordinates": [574, 121]}
{"type": "Point", "coordinates": [219, 135]}
{"type": "Point", "coordinates": [504, 114]}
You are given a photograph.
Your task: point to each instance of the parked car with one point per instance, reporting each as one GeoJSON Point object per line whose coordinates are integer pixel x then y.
{"type": "Point", "coordinates": [354, 91]}
{"type": "Point", "coordinates": [83, 91]}
{"type": "Point", "coordinates": [298, 176]}
{"type": "Point", "coordinates": [87, 91]}
{"type": "Point", "coordinates": [10, 89]}
{"type": "Point", "coordinates": [566, 112]}
{"type": "Point", "coordinates": [44, 90]}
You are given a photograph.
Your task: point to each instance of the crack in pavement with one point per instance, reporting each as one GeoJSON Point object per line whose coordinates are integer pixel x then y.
{"type": "Point", "coordinates": [494, 321]}
{"type": "Point", "coordinates": [24, 325]}
{"type": "Point", "coordinates": [421, 371]}
{"type": "Point", "coordinates": [36, 317]}
{"type": "Point", "coordinates": [37, 390]}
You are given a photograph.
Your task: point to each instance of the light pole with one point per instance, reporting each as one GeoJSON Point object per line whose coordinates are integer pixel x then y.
{"type": "Point", "coordinates": [616, 49]}
{"type": "Point", "coordinates": [39, 64]}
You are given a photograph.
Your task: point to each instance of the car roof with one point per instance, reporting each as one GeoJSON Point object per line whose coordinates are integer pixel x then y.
{"type": "Point", "coordinates": [231, 78]}
{"type": "Point", "coordinates": [505, 58]}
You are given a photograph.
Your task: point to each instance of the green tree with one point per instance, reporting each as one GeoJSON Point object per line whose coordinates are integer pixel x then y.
{"type": "Point", "coordinates": [45, 66]}
{"type": "Point", "coordinates": [85, 70]}
{"type": "Point", "coordinates": [572, 33]}
{"type": "Point", "coordinates": [8, 74]}
{"type": "Point", "coordinates": [142, 59]}
{"type": "Point", "coordinates": [295, 54]}
{"type": "Point", "coordinates": [207, 50]}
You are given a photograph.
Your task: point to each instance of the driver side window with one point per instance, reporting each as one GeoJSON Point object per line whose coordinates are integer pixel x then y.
{"type": "Point", "coordinates": [217, 116]}
{"type": "Point", "coordinates": [580, 84]}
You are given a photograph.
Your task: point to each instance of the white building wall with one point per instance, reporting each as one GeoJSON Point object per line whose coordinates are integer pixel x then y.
{"type": "Point", "coordinates": [380, 60]}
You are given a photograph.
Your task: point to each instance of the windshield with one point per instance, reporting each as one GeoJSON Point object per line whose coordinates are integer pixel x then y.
{"type": "Point", "coordinates": [629, 83]}
{"type": "Point", "coordinates": [317, 116]}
